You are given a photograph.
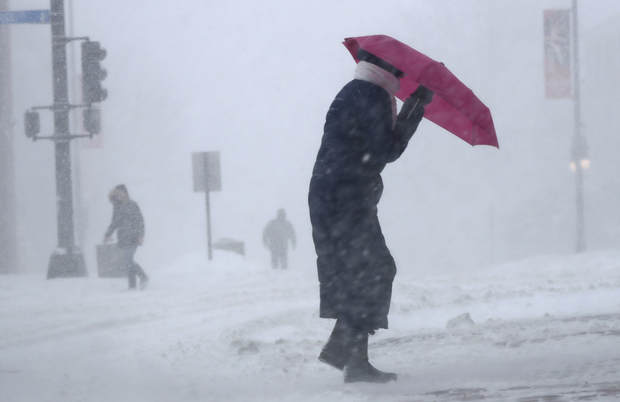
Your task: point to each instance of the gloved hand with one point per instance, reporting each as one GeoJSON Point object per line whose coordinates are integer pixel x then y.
{"type": "Point", "coordinates": [413, 108]}
{"type": "Point", "coordinates": [424, 94]}
{"type": "Point", "coordinates": [411, 114]}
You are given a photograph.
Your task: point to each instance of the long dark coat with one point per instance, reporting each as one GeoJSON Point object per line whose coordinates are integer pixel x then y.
{"type": "Point", "coordinates": [355, 267]}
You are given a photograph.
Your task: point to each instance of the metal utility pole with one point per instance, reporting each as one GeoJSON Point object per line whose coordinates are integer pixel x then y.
{"type": "Point", "coordinates": [209, 239]}
{"type": "Point", "coordinates": [580, 149]}
{"type": "Point", "coordinates": [74, 85]}
{"type": "Point", "coordinates": [67, 260]}
{"type": "Point", "coordinates": [8, 226]}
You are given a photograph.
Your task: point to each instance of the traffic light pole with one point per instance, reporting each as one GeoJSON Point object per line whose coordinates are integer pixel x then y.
{"type": "Point", "coordinates": [67, 260]}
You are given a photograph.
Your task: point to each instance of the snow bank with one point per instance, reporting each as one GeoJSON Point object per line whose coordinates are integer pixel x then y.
{"type": "Point", "coordinates": [230, 330]}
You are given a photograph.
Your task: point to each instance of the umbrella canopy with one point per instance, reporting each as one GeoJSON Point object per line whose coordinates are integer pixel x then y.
{"type": "Point", "coordinates": [454, 106]}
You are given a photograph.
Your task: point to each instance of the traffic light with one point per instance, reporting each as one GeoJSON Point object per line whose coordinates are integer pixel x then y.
{"type": "Point", "coordinates": [92, 73]}
{"type": "Point", "coordinates": [32, 123]}
{"type": "Point", "coordinates": [92, 120]}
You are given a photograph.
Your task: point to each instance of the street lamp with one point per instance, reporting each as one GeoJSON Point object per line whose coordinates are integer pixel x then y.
{"type": "Point", "coordinates": [579, 160]}
{"type": "Point", "coordinates": [573, 166]}
{"type": "Point", "coordinates": [583, 164]}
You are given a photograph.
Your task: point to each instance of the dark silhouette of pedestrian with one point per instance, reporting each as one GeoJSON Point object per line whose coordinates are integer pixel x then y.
{"type": "Point", "coordinates": [128, 223]}
{"type": "Point", "coordinates": [276, 237]}
{"type": "Point", "coordinates": [362, 133]}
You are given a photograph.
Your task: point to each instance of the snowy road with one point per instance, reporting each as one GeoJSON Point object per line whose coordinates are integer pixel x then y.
{"type": "Point", "coordinates": [547, 329]}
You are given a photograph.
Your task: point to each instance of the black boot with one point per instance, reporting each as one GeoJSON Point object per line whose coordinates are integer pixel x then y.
{"type": "Point", "coordinates": [336, 350]}
{"type": "Point", "coordinates": [358, 368]}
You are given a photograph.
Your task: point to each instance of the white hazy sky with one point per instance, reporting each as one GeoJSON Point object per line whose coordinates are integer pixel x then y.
{"type": "Point", "coordinates": [254, 80]}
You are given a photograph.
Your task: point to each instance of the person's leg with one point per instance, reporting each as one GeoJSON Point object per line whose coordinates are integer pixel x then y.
{"type": "Point", "coordinates": [137, 270]}
{"type": "Point", "coordinates": [284, 259]}
{"type": "Point", "coordinates": [129, 265]}
{"type": "Point", "coordinates": [144, 279]}
{"type": "Point", "coordinates": [336, 351]}
{"type": "Point", "coordinates": [140, 272]}
{"type": "Point", "coordinates": [280, 262]}
{"type": "Point", "coordinates": [274, 259]}
{"type": "Point", "coordinates": [358, 368]}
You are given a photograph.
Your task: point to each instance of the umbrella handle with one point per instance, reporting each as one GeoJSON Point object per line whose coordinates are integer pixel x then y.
{"type": "Point", "coordinates": [417, 102]}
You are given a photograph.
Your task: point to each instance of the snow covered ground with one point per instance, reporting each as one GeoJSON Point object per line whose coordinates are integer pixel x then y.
{"type": "Point", "coordinates": [546, 329]}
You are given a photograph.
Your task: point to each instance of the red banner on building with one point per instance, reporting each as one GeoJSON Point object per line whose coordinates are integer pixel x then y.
{"type": "Point", "coordinates": [558, 78]}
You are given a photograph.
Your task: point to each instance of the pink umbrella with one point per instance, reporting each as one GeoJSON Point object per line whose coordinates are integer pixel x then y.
{"type": "Point", "coordinates": [454, 106]}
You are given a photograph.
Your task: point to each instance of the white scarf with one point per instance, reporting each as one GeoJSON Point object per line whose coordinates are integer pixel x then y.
{"type": "Point", "coordinates": [376, 75]}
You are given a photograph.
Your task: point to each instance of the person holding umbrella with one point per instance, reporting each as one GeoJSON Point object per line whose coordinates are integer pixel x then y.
{"type": "Point", "coordinates": [362, 133]}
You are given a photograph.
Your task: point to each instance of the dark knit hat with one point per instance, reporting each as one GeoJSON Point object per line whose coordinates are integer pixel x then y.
{"type": "Point", "coordinates": [363, 55]}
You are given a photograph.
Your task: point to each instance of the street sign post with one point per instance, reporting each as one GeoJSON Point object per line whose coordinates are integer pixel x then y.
{"type": "Point", "coordinates": [206, 171]}
{"type": "Point", "coordinates": [207, 178]}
